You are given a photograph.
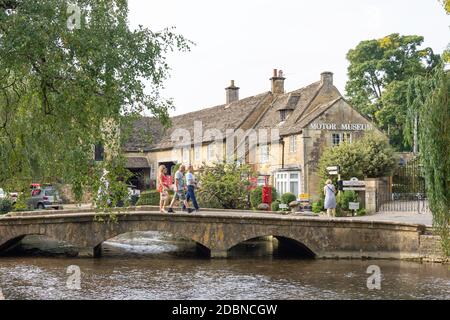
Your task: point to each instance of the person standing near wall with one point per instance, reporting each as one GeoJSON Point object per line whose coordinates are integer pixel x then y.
{"type": "Point", "coordinates": [330, 198]}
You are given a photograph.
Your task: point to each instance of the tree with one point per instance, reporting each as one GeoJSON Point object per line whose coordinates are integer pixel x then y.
{"type": "Point", "coordinates": [64, 90]}
{"type": "Point", "coordinates": [378, 67]}
{"type": "Point", "coordinates": [371, 156]}
{"type": "Point", "coordinates": [430, 98]}
{"type": "Point", "coordinates": [225, 185]}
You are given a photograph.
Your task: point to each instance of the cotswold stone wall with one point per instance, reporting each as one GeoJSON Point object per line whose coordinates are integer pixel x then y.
{"type": "Point", "coordinates": [430, 248]}
{"type": "Point", "coordinates": [218, 232]}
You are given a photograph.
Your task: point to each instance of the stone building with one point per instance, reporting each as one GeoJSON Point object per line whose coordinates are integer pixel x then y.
{"type": "Point", "coordinates": [281, 134]}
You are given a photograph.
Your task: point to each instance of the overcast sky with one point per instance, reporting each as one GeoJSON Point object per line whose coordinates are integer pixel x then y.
{"type": "Point", "coordinates": [245, 40]}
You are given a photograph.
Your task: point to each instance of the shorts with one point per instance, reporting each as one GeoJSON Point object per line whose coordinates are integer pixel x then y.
{"type": "Point", "coordinates": [180, 195]}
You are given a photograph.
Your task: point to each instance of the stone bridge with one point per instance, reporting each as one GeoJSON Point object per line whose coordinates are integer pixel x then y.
{"type": "Point", "coordinates": [218, 232]}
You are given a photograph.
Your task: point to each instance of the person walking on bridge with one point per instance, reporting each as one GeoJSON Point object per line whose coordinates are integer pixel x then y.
{"type": "Point", "coordinates": [191, 185]}
{"type": "Point", "coordinates": [163, 188]}
{"type": "Point", "coordinates": [330, 198]}
{"type": "Point", "coordinates": [180, 190]}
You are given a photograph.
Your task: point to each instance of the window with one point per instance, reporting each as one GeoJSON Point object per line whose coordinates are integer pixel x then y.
{"type": "Point", "coordinates": [283, 115]}
{"type": "Point", "coordinates": [186, 158]}
{"type": "Point", "coordinates": [288, 182]}
{"type": "Point", "coordinates": [211, 149]}
{"type": "Point", "coordinates": [347, 137]}
{"type": "Point", "coordinates": [293, 144]}
{"type": "Point", "coordinates": [261, 181]}
{"type": "Point", "coordinates": [198, 153]}
{"type": "Point", "coordinates": [264, 153]}
{"type": "Point", "coordinates": [338, 138]}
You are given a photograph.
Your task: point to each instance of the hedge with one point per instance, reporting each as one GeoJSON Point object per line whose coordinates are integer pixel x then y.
{"type": "Point", "coordinates": [288, 198]}
{"type": "Point", "coordinates": [6, 206]}
{"type": "Point", "coordinates": [151, 198]}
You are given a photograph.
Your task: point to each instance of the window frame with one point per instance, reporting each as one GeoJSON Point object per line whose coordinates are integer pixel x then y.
{"type": "Point", "coordinates": [293, 144]}
{"type": "Point", "coordinates": [264, 157]}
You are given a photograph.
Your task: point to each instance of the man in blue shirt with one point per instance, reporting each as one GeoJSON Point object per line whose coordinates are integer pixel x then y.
{"type": "Point", "coordinates": [191, 185]}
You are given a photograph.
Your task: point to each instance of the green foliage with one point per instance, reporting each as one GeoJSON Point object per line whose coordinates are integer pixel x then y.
{"type": "Point", "coordinates": [434, 143]}
{"type": "Point", "coordinates": [317, 207]}
{"type": "Point", "coordinates": [152, 198]}
{"type": "Point", "coordinates": [288, 198]}
{"type": "Point", "coordinates": [63, 91]}
{"type": "Point", "coordinates": [344, 197]}
{"type": "Point", "coordinates": [275, 206]}
{"type": "Point", "coordinates": [378, 73]}
{"type": "Point", "coordinates": [361, 212]}
{"type": "Point", "coordinates": [224, 185]}
{"type": "Point", "coordinates": [371, 156]}
{"type": "Point", "coordinates": [5, 206]}
{"type": "Point", "coordinates": [256, 196]}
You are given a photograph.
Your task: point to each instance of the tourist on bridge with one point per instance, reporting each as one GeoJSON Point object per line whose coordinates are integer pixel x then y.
{"type": "Point", "coordinates": [163, 188]}
{"type": "Point", "coordinates": [191, 185]}
{"type": "Point", "coordinates": [180, 190]}
{"type": "Point", "coordinates": [330, 198]}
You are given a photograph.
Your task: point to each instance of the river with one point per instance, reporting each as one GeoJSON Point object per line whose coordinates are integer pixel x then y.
{"type": "Point", "coordinates": [148, 265]}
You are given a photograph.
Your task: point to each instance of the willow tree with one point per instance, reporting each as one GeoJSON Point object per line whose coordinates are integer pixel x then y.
{"type": "Point", "coordinates": [434, 142]}
{"type": "Point", "coordinates": [71, 73]}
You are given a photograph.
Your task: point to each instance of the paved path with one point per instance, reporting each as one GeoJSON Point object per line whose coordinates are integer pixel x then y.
{"type": "Point", "coordinates": [406, 217]}
{"type": "Point", "coordinates": [399, 217]}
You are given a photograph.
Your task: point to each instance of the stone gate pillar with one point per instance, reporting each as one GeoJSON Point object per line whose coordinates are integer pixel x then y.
{"type": "Point", "coordinates": [375, 186]}
{"type": "Point", "coordinates": [371, 195]}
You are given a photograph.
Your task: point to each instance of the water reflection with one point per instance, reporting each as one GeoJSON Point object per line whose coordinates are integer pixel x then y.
{"type": "Point", "coordinates": [156, 266]}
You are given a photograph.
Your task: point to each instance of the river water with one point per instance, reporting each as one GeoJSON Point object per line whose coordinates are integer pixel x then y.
{"type": "Point", "coordinates": [148, 265]}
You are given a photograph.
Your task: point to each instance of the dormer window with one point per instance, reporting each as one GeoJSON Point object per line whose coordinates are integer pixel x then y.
{"type": "Point", "coordinates": [283, 115]}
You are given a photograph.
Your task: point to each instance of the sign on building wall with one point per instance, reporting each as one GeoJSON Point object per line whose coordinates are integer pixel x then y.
{"type": "Point", "coordinates": [341, 127]}
{"type": "Point", "coordinates": [354, 185]}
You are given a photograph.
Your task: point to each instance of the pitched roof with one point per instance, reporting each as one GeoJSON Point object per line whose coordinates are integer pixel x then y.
{"type": "Point", "coordinates": [256, 112]}
{"type": "Point", "coordinates": [137, 163]}
{"type": "Point", "coordinates": [221, 118]}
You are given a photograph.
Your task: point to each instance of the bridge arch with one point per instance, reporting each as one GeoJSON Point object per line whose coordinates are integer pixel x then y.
{"type": "Point", "coordinates": [303, 247]}
{"type": "Point", "coordinates": [203, 246]}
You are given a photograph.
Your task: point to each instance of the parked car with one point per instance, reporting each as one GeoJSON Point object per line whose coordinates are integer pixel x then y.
{"type": "Point", "coordinates": [45, 198]}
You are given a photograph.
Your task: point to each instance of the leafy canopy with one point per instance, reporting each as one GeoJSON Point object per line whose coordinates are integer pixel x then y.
{"type": "Point", "coordinates": [371, 156]}
{"type": "Point", "coordinates": [376, 73]}
{"type": "Point", "coordinates": [225, 185]}
{"type": "Point", "coordinates": [63, 90]}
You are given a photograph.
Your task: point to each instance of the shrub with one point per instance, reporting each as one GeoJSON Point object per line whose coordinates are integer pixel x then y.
{"type": "Point", "coordinates": [361, 212]}
{"type": "Point", "coordinates": [345, 197]}
{"type": "Point", "coordinates": [5, 206]}
{"type": "Point", "coordinates": [371, 156]}
{"type": "Point", "coordinates": [317, 207]}
{"type": "Point", "coordinates": [151, 198]}
{"type": "Point", "coordinates": [224, 185]}
{"type": "Point", "coordinates": [288, 197]}
{"type": "Point", "coordinates": [275, 205]}
{"type": "Point", "coordinates": [256, 196]}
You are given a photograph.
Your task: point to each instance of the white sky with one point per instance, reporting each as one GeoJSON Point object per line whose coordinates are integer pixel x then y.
{"type": "Point", "coordinates": [245, 40]}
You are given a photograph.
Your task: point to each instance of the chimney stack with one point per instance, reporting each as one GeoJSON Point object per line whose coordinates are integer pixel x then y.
{"type": "Point", "coordinates": [232, 93]}
{"type": "Point", "coordinates": [277, 82]}
{"type": "Point", "coordinates": [327, 78]}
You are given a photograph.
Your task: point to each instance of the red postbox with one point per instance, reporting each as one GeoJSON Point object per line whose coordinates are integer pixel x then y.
{"type": "Point", "coordinates": [267, 195]}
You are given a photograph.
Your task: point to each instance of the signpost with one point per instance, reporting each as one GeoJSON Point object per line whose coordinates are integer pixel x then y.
{"type": "Point", "coordinates": [354, 206]}
{"type": "Point", "coordinates": [354, 185]}
{"type": "Point", "coordinates": [333, 171]}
